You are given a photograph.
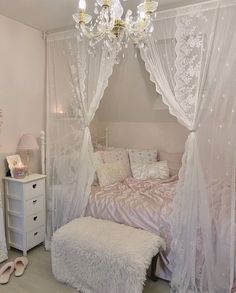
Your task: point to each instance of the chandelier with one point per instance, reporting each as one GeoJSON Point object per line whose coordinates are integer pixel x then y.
{"type": "Point", "coordinates": [111, 26]}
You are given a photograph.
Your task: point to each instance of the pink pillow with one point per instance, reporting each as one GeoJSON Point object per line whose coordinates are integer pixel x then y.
{"type": "Point", "coordinates": [117, 156]}
{"type": "Point", "coordinates": [174, 161]}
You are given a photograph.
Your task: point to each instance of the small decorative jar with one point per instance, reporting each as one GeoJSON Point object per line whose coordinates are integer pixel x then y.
{"type": "Point", "coordinates": [19, 171]}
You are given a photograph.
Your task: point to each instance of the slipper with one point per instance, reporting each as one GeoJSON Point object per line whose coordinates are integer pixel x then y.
{"type": "Point", "coordinates": [5, 272]}
{"type": "Point", "coordinates": [20, 266]}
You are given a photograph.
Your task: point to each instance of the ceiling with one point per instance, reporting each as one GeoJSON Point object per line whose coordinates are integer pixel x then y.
{"type": "Point", "coordinates": [50, 15]}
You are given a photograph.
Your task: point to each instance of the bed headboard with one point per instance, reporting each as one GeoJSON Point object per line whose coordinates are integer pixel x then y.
{"type": "Point", "coordinates": [96, 139]}
{"type": "Point", "coordinates": [101, 140]}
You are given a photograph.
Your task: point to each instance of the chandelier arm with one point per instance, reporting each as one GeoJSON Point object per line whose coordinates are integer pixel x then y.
{"type": "Point", "coordinates": [143, 25]}
{"type": "Point", "coordinates": [88, 33]}
{"type": "Point", "coordinates": [137, 40]}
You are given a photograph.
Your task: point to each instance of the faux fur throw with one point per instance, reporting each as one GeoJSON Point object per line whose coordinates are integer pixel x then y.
{"type": "Point", "coordinates": [98, 256]}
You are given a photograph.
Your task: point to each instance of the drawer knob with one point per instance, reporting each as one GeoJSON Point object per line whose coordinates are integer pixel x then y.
{"type": "Point", "coordinates": [36, 233]}
{"type": "Point", "coordinates": [35, 201]}
{"type": "Point", "coordinates": [35, 218]}
{"type": "Point", "coordinates": [34, 185]}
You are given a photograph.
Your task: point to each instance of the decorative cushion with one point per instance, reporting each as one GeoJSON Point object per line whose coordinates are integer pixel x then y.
{"type": "Point", "coordinates": [151, 171]}
{"type": "Point", "coordinates": [142, 156]}
{"type": "Point", "coordinates": [174, 161]}
{"type": "Point", "coordinates": [118, 156]}
{"type": "Point", "coordinates": [110, 173]}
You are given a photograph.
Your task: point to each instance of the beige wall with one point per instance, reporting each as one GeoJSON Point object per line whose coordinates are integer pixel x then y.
{"type": "Point", "coordinates": [22, 89]}
{"type": "Point", "coordinates": [22, 79]}
{"type": "Point", "coordinates": [133, 111]}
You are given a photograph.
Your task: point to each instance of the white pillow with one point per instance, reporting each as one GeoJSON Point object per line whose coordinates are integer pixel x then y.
{"type": "Point", "coordinates": [110, 173]}
{"type": "Point", "coordinates": [157, 170]}
{"type": "Point", "coordinates": [142, 157]}
{"type": "Point", "coordinates": [117, 156]}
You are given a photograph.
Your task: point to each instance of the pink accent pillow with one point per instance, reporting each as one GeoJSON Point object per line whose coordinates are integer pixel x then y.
{"type": "Point", "coordinates": [174, 161]}
{"type": "Point", "coordinates": [117, 156]}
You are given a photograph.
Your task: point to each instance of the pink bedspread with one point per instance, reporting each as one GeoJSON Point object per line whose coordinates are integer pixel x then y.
{"type": "Point", "coordinates": [141, 204]}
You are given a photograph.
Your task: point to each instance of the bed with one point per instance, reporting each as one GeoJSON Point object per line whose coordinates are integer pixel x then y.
{"type": "Point", "coordinates": [144, 204]}
{"type": "Point", "coordinates": [141, 204]}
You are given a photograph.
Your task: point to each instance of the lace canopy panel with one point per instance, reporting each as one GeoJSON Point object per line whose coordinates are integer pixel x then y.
{"type": "Point", "coordinates": [76, 83]}
{"type": "Point", "coordinates": [191, 59]}
{"type": "Point", "coordinates": [192, 62]}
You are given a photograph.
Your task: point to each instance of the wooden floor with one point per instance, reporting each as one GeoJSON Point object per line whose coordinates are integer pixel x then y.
{"type": "Point", "coordinates": [38, 277]}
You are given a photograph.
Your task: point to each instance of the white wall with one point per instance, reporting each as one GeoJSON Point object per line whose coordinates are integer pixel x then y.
{"type": "Point", "coordinates": [134, 112]}
{"type": "Point", "coordinates": [22, 78]}
{"type": "Point", "coordinates": [168, 137]}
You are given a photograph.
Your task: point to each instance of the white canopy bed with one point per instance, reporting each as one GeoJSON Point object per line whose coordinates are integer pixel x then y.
{"type": "Point", "coordinates": [3, 247]}
{"type": "Point", "coordinates": [191, 59]}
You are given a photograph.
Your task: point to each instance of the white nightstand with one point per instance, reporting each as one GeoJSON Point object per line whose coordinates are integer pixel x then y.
{"type": "Point", "coordinates": [25, 211]}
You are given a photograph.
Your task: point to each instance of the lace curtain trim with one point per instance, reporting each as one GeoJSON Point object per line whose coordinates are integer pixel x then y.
{"type": "Point", "coordinates": [189, 53]}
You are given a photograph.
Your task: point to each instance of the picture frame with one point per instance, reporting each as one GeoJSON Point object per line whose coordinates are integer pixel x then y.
{"type": "Point", "coordinates": [13, 161]}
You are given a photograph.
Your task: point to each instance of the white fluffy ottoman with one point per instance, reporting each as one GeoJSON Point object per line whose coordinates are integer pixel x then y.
{"type": "Point", "coordinates": [97, 256]}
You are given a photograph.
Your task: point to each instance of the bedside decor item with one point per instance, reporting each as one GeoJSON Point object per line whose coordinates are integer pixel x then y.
{"type": "Point", "coordinates": [13, 161]}
{"type": "Point", "coordinates": [26, 144]}
{"type": "Point", "coordinates": [19, 171]}
{"type": "Point", "coordinates": [25, 211]}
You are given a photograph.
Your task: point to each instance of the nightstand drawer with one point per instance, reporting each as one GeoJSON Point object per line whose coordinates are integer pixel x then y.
{"type": "Point", "coordinates": [35, 237]}
{"type": "Point", "coordinates": [34, 188]}
{"type": "Point", "coordinates": [34, 221]}
{"type": "Point", "coordinates": [34, 205]}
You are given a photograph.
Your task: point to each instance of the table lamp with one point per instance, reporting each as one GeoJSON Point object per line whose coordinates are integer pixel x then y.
{"type": "Point", "coordinates": [27, 143]}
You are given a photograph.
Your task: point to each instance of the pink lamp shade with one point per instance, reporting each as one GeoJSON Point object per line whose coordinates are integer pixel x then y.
{"type": "Point", "coordinates": [27, 142]}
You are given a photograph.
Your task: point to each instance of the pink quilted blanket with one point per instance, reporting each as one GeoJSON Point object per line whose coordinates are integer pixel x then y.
{"type": "Point", "coordinates": [141, 204]}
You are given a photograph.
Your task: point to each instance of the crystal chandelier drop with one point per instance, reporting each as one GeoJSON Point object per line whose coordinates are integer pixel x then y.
{"type": "Point", "coordinates": [110, 26]}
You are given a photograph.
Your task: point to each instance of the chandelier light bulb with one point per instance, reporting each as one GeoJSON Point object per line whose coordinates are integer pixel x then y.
{"type": "Point", "coordinates": [82, 4]}
{"type": "Point", "coordinates": [142, 15]}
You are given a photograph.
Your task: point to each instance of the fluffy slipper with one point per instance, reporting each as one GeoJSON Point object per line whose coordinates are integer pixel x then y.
{"type": "Point", "coordinates": [5, 272]}
{"type": "Point", "coordinates": [20, 266]}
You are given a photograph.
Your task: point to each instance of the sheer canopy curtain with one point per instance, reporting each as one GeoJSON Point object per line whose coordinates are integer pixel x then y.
{"type": "Point", "coordinates": [3, 247]}
{"type": "Point", "coordinates": [76, 83]}
{"type": "Point", "coordinates": [191, 59]}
